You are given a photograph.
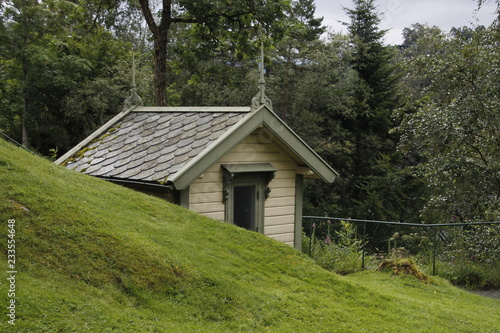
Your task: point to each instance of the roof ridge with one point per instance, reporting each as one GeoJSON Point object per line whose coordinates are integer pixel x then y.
{"type": "Point", "coordinates": [243, 109]}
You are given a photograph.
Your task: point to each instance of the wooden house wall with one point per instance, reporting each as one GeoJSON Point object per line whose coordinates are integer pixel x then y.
{"type": "Point", "coordinates": [205, 194]}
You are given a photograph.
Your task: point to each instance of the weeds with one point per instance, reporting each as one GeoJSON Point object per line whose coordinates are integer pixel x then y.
{"type": "Point", "coordinates": [341, 250]}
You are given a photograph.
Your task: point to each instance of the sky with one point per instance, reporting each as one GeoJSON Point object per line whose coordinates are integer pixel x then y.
{"type": "Point", "coordinates": [400, 14]}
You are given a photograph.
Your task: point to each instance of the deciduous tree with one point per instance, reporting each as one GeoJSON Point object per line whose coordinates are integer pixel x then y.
{"type": "Point", "coordinates": [53, 51]}
{"type": "Point", "coordinates": [452, 125]}
{"type": "Point", "coordinates": [222, 21]}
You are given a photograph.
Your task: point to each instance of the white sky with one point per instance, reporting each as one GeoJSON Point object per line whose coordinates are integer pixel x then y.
{"type": "Point", "coordinates": [400, 14]}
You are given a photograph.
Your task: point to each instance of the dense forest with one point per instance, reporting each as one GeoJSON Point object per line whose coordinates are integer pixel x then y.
{"type": "Point", "coordinates": [412, 129]}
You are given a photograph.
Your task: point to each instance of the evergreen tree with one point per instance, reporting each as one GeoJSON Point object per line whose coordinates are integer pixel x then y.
{"type": "Point", "coordinates": [373, 183]}
{"type": "Point", "coordinates": [296, 79]}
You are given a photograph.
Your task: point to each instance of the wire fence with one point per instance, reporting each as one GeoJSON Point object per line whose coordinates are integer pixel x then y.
{"type": "Point", "coordinates": [465, 253]}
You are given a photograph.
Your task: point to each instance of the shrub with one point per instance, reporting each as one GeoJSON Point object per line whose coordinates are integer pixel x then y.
{"type": "Point", "coordinates": [470, 255]}
{"type": "Point", "coordinates": [471, 275]}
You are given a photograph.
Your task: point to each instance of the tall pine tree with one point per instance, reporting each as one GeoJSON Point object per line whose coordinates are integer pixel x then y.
{"type": "Point", "coordinates": [373, 184]}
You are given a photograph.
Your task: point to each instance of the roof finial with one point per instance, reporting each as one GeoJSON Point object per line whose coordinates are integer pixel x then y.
{"type": "Point", "coordinates": [134, 99]}
{"type": "Point", "coordinates": [261, 98]}
{"type": "Point", "coordinates": [133, 70]}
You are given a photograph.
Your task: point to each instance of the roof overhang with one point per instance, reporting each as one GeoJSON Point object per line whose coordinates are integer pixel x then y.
{"type": "Point", "coordinates": [148, 184]}
{"type": "Point", "coordinates": [235, 169]}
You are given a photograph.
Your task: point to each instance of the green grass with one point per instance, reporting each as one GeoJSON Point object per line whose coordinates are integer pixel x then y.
{"type": "Point", "coordinates": [96, 257]}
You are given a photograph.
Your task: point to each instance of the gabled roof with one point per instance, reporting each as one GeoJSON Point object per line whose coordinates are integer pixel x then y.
{"type": "Point", "coordinates": [175, 145]}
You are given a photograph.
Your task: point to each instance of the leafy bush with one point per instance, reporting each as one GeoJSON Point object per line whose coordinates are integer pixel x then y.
{"type": "Point", "coordinates": [402, 245]}
{"type": "Point", "coordinates": [470, 275]}
{"type": "Point", "coordinates": [475, 243]}
{"type": "Point", "coordinates": [469, 257]}
{"type": "Point", "coordinates": [466, 255]}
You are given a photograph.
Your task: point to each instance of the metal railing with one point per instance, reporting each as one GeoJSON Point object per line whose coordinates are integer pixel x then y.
{"type": "Point", "coordinates": [432, 245]}
{"type": "Point", "coordinates": [8, 138]}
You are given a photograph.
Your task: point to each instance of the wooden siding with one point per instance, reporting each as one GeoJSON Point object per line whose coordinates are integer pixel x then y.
{"type": "Point", "coordinates": [205, 193]}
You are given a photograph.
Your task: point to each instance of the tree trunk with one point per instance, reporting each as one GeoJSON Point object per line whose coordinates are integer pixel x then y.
{"type": "Point", "coordinates": [160, 35]}
{"type": "Point", "coordinates": [160, 69]}
{"type": "Point", "coordinates": [24, 120]}
{"type": "Point", "coordinates": [24, 135]}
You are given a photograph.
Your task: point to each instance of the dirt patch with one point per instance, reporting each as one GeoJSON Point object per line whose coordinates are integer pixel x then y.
{"type": "Point", "coordinates": [403, 266]}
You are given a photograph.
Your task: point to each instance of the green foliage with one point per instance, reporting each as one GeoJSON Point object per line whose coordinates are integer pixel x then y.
{"type": "Point", "coordinates": [236, 23]}
{"type": "Point", "coordinates": [458, 250]}
{"type": "Point", "coordinates": [220, 74]}
{"type": "Point", "coordinates": [470, 255]}
{"type": "Point", "coordinates": [356, 134]}
{"type": "Point", "coordinates": [58, 79]}
{"type": "Point", "coordinates": [238, 27]}
{"type": "Point", "coordinates": [199, 76]}
{"type": "Point", "coordinates": [471, 275]}
{"type": "Point", "coordinates": [474, 243]}
{"type": "Point", "coordinates": [451, 125]}
{"type": "Point", "coordinates": [403, 245]}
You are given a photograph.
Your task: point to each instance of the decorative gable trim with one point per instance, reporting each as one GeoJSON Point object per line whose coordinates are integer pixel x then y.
{"type": "Point", "coordinates": [261, 116]}
{"type": "Point", "coordinates": [194, 168]}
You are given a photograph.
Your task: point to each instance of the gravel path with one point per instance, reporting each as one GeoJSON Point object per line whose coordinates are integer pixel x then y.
{"type": "Point", "coordinates": [488, 293]}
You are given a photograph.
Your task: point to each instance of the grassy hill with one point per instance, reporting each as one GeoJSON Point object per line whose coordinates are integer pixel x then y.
{"type": "Point", "coordinates": [95, 257]}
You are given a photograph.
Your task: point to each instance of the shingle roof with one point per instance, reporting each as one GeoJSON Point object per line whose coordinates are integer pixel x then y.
{"type": "Point", "coordinates": [152, 144]}
{"type": "Point", "coordinates": [175, 145]}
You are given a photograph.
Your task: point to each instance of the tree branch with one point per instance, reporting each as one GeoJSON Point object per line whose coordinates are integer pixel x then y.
{"type": "Point", "coordinates": [185, 20]}
{"type": "Point", "coordinates": [149, 16]}
{"type": "Point", "coordinates": [233, 17]}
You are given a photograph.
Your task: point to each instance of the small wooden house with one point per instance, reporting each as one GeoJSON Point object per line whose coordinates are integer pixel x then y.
{"type": "Point", "coordinates": [242, 165]}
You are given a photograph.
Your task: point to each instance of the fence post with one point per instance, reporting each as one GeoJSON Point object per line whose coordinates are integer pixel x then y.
{"type": "Point", "coordinates": [311, 240]}
{"type": "Point", "coordinates": [434, 245]}
{"type": "Point", "coordinates": [363, 247]}
{"type": "Point", "coordinates": [310, 244]}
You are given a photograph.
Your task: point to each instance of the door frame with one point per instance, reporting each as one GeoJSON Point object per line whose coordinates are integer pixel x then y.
{"type": "Point", "coordinates": [256, 180]}
{"type": "Point", "coordinates": [258, 174]}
